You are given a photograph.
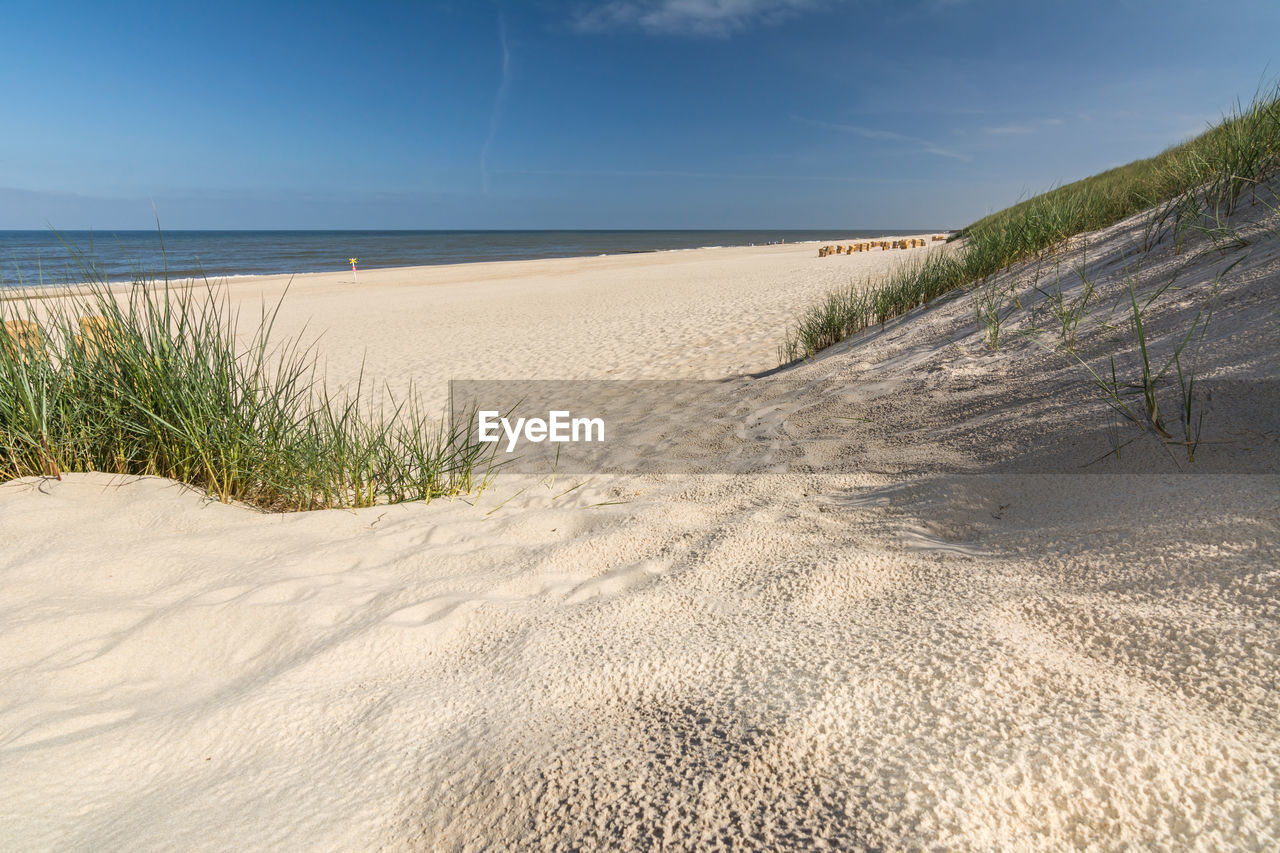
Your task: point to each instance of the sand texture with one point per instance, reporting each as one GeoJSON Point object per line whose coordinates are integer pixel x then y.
{"type": "Point", "coordinates": [883, 638]}
{"type": "Point", "coordinates": [682, 314]}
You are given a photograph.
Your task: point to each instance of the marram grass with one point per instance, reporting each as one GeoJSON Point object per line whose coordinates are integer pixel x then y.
{"type": "Point", "coordinates": [157, 381]}
{"type": "Point", "coordinates": [1185, 186]}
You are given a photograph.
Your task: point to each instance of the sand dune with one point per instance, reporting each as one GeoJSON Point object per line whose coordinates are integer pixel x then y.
{"type": "Point", "coordinates": [822, 652]}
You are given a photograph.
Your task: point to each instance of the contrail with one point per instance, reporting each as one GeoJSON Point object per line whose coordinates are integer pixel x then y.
{"type": "Point", "coordinates": [495, 118]}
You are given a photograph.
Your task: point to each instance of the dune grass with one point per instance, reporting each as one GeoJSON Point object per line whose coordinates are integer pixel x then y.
{"type": "Point", "coordinates": [166, 380]}
{"type": "Point", "coordinates": [1193, 185]}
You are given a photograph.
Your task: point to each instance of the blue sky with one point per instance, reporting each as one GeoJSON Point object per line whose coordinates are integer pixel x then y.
{"type": "Point", "coordinates": [622, 114]}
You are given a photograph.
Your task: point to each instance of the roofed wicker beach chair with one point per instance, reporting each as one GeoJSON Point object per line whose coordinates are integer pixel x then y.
{"type": "Point", "coordinates": [21, 337]}
{"type": "Point", "coordinates": [95, 331]}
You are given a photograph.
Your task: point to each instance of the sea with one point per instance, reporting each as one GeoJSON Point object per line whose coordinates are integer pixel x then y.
{"type": "Point", "coordinates": [29, 258]}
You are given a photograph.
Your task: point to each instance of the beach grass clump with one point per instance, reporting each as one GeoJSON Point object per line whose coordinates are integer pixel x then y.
{"type": "Point", "coordinates": [1194, 185]}
{"type": "Point", "coordinates": [1138, 400]}
{"type": "Point", "coordinates": [166, 380]}
{"type": "Point", "coordinates": [847, 311]}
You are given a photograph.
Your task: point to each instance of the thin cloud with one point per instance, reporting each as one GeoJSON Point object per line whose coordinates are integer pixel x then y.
{"type": "Point", "coordinates": [1024, 128]}
{"type": "Point", "coordinates": [499, 102]}
{"type": "Point", "coordinates": [714, 18]}
{"type": "Point", "coordinates": [714, 176]}
{"type": "Point", "coordinates": [887, 135]}
{"type": "Point", "coordinates": [1011, 130]}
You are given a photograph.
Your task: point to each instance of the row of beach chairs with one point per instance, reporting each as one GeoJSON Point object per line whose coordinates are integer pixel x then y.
{"type": "Point", "coordinates": [26, 336]}
{"type": "Point", "coordinates": [883, 245]}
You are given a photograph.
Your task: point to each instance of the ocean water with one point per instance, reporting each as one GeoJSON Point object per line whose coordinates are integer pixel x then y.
{"type": "Point", "coordinates": [43, 257]}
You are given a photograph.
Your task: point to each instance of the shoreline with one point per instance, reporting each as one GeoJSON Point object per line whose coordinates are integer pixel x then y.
{"type": "Point", "coordinates": [430, 259]}
{"type": "Point", "coordinates": [686, 313]}
{"type": "Point", "coordinates": [9, 293]}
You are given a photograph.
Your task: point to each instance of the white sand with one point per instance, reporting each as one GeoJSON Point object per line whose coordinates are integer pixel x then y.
{"type": "Point", "coordinates": [687, 314]}
{"type": "Point", "coordinates": [776, 660]}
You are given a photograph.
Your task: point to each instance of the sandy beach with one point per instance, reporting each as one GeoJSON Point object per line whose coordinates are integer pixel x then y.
{"type": "Point", "coordinates": [670, 426]}
{"type": "Point", "coordinates": [684, 314]}
{"type": "Point", "coordinates": [822, 654]}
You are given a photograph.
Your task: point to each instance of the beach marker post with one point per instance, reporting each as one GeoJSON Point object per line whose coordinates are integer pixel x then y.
{"type": "Point", "coordinates": [356, 279]}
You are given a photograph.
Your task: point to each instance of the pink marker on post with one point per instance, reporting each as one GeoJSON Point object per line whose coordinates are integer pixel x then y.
{"type": "Point", "coordinates": [353, 271]}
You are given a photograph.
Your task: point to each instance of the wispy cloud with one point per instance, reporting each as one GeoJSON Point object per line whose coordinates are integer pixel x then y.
{"type": "Point", "coordinates": [712, 176]}
{"type": "Point", "coordinates": [887, 135]}
{"type": "Point", "coordinates": [716, 18]}
{"type": "Point", "coordinates": [499, 102]}
{"type": "Point", "coordinates": [1011, 129]}
{"type": "Point", "coordinates": [1023, 128]}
